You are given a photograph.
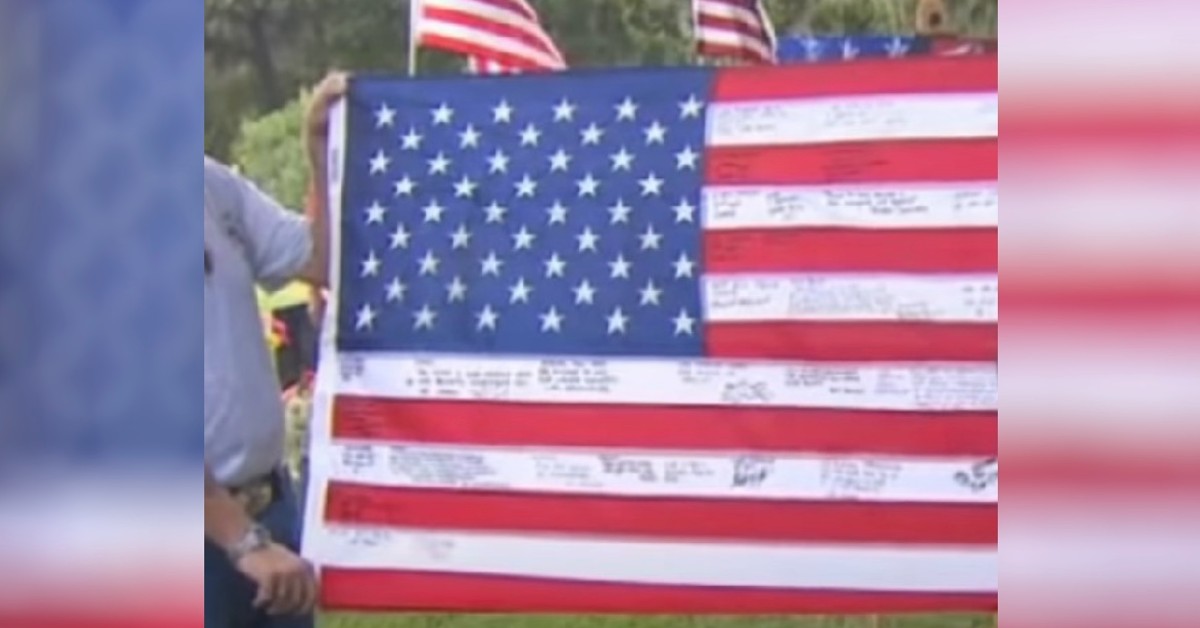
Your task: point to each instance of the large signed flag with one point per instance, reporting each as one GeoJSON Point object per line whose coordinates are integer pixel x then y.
{"type": "Point", "coordinates": [693, 340]}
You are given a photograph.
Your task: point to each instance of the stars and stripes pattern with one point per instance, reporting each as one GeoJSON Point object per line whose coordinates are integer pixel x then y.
{"type": "Point", "coordinates": [738, 29]}
{"type": "Point", "coordinates": [504, 35]}
{"type": "Point", "coordinates": [690, 340]}
{"type": "Point", "coordinates": [821, 49]}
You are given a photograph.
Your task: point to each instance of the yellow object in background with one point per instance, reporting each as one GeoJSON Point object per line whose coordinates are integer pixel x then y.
{"type": "Point", "coordinates": [295, 293]}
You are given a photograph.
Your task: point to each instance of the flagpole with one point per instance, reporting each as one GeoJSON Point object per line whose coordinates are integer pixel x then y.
{"type": "Point", "coordinates": [414, 19]}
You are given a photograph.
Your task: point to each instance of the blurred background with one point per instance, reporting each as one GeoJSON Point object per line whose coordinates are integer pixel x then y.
{"type": "Point", "coordinates": [261, 54]}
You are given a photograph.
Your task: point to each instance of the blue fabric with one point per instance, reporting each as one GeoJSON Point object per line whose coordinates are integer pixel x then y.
{"type": "Point", "coordinates": [541, 214]}
{"type": "Point", "coordinates": [818, 49]}
{"type": "Point", "coordinates": [228, 595]}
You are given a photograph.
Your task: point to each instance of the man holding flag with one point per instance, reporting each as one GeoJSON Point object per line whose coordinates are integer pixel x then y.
{"type": "Point", "coordinates": [253, 576]}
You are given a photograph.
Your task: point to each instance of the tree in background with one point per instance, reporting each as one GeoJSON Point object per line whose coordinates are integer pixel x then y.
{"type": "Point", "coordinates": [257, 51]}
{"type": "Point", "coordinates": [268, 150]}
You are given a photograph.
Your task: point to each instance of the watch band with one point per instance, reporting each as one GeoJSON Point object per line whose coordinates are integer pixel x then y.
{"type": "Point", "coordinates": [256, 538]}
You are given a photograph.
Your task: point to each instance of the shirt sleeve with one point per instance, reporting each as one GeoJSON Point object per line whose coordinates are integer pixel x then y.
{"type": "Point", "coordinates": [278, 241]}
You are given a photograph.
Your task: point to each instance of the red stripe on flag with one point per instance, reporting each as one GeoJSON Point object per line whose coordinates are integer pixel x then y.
{"type": "Point", "coordinates": [717, 51]}
{"type": "Point", "coordinates": [854, 341]}
{"type": "Point", "coordinates": [520, 36]}
{"type": "Point", "coordinates": [849, 250]}
{"type": "Point", "coordinates": [470, 49]}
{"type": "Point", "coordinates": [970, 160]}
{"type": "Point", "coordinates": [745, 29]}
{"type": "Point", "coordinates": [929, 75]}
{"type": "Point", "coordinates": [666, 427]}
{"type": "Point", "coordinates": [659, 517]}
{"type": "Point", "coordinates": [388, 590]}
{"type": "Point", "coordinates": [513, 6]}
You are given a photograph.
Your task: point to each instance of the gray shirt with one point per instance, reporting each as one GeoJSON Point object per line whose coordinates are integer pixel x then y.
{"type": "Point", "coordinates": [250, 240]}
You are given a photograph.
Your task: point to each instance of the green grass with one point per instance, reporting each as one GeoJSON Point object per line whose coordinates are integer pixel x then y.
{"type": "Point", "coordinates": [622, 621]}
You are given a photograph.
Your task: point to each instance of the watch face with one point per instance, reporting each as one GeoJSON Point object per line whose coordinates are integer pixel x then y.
{"type": "Point", "coordinates": [261, 536]}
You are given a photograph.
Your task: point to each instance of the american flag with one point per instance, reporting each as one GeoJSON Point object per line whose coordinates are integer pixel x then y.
{"type": "Point", "coordinates": [954, 46]}
{"type": "Point", "coordinates": [686, 340]}
{"type": "Point", "coordinates": [819, 49]}
{"type": "Point", "coordinates": [500, 34]}
{"type": "Point", "coordinates": [739, 29]}
{"type": "Point", "coordinates": [823, 48]}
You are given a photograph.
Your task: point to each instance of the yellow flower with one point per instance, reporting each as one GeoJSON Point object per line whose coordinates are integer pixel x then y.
{"type": "Point", "coordinates": [274, 335]}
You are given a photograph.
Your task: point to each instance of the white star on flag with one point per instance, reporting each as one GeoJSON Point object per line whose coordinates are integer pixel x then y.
{"type": "Point", "coordinates": [385, 116]}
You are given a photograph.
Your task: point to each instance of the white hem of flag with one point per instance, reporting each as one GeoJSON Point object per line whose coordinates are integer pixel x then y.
{"type": "Point", "coordinates": [949, 569]}
{"type": "Point", "coordinates": [321, 410]}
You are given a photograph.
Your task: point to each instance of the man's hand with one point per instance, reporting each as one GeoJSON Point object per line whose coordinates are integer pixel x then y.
{"type": "Point", "coordinates": [316, 145]}
{"type": "Point", "coordinates": [325, 94]}
{"type": "Point", "coordinates": [286, 583]}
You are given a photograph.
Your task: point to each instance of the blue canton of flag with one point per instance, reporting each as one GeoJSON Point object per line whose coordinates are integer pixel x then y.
{"type": "Point", "coordinates": [809, 49]}
{"type": "Point", "coordinates": [550, 214]}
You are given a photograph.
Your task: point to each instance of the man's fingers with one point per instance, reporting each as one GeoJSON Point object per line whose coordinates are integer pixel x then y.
{"type": "Point", "coordinates": [285, 596]}
{"type": "Point", "coordinates": [278, 602]}
{"type": "Point", "coordinates": [309, 593]}
{"type": "Point", "coordinates": [334, 86]}
{"type": "Point", "coordinates": [339, 82]}
{"type": "Point", "coordinates": [263, 596]}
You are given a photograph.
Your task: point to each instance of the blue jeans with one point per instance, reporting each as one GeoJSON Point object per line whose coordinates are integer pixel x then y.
{"type": "Point", "coordinates": [228, 595]}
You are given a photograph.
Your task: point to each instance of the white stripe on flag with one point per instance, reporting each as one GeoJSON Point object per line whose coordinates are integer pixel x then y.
{"type": "Point", "coordinates": [491, 13]}
{"type": "Point", "coordinates": [711, 36]}
{"type": "Point", "coordinates": [853, 119]}
{"type": "Point", "coordinates": [656, 473]}
{"type": "Point", "coordinates": [492, 42]}
{"type": "Point", "coordinates": [543, 52]}
{"type": "Point", "coordinates": [852, 297]}
{"type": "Point", "coordinates": [731, 11]}
{"type": "Point", "coordinates": [893, 206]}
{"type": "Point", "coordinates": [777, 565]}
{"type": "Point", "coordinates": [733, 28]}
{"type": "Point", "coordinates": [699, 382]}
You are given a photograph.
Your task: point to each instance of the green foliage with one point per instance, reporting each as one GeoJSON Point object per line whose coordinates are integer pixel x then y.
{"type": "Point", "coordinates": [269, 150]}
{"type": "Point", "coordinates": [259, 51]}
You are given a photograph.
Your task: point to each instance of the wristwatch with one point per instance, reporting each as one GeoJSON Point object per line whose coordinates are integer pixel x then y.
{"type": "Point", "coordinates": [255, 539]}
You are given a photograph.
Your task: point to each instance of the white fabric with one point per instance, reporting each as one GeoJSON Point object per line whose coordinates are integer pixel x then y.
{"type": "Point", "coordinates": [723, 475]}
{"type": "Point", "coordinates": [893, 206]}
{"type": "Point", "coordinates": [661, 561]}
{"type": "Point", "coordinates": [778, 384]}
{"type": "Point", "coordinates": [852, 297]}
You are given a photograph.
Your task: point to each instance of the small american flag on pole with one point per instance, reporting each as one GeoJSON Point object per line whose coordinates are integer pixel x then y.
{"type": "Point", "coordinates": [501, 36]}
{"type": "Point", "coordinates": [687, 340]}
{"type": "Point", "coordinates": [738, 29]}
